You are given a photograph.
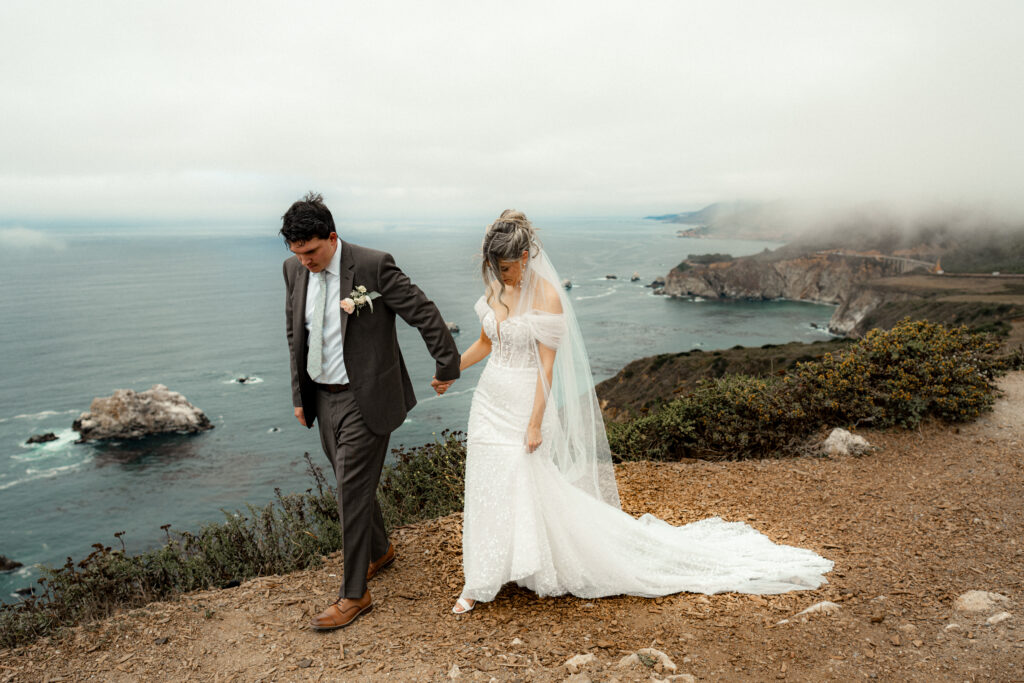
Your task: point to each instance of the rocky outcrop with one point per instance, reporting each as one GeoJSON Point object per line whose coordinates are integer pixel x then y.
{"type": "Point", "coordinates": [7, 565]}
{"type": "Point", "coordinates": [821, 278]}
{"type": "Point", "coordinates": [42, 438]}
{"type": "Point", "coordinates": [861, 300]}
{"type": "Point", "coordinates": [130, 415]}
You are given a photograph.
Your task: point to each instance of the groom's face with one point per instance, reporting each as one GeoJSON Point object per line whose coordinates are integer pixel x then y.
{"type": "Point", "coordinates": [315, 254]}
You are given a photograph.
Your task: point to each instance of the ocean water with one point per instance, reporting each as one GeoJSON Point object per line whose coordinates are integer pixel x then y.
{"type": "Point", "coordinates": [87, 312]}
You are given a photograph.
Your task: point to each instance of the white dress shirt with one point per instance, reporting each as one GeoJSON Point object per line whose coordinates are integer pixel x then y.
{"type": "Point", "coordinates": [332, 370]}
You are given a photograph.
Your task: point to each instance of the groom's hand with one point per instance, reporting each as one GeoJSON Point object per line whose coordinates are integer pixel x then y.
{"type": "Point", "coordinates": [300, 415]}
{"type": "Point", "coordinates": [439, 386]}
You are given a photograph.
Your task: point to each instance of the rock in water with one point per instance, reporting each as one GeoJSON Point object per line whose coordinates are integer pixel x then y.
{"type": "Point", "coordinates": [42, 438]}
{"type": "Point", "coordinates": [453, 327]}
{"type": "Point", "coordinates": [7, 565]}
{"type": "Point", "coordinates": [567, 283]}
{"type": "Point", "coordinates": [130, 415]}
{"type": "Point", "coordinates": [634, 277]}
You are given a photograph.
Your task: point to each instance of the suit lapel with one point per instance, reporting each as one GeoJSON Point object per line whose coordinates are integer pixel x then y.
{"type": "Point", "coordinates": [299, 306]}
{"type": "Point", "coordinates": [347, 277]}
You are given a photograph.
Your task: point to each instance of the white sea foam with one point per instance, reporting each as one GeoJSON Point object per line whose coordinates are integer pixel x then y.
{"type": "Point", "coordinates": [597, 296]}
{"type": "Point", "coordinates": [36, 451]}
{"type": "Point", "coordinates": [33, 474]}
{"type": "Point", "coordinates": [43, 414]}
{"type": "Point", "coordinates": [448, 393]}
{"type": "Point", "coordinates": [249, 379]}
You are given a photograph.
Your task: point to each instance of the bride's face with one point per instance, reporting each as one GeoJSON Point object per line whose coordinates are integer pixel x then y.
{"type": "Point", "coordinates": [512, 271]}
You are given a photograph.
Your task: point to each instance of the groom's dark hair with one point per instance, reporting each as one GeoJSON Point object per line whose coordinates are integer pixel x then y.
{"type": "Point", "coordinates": [307, 218]}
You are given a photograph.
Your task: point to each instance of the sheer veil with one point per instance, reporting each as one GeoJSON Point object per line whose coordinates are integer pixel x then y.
{"type": "Point", "coordinates": [573, 428]}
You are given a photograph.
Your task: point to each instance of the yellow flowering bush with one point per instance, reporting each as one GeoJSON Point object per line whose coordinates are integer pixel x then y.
{"type": "Point", "coordinates": [890, 378]}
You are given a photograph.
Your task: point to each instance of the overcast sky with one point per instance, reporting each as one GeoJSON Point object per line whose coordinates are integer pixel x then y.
{"type": "Point", "coordinates": [166, 112]}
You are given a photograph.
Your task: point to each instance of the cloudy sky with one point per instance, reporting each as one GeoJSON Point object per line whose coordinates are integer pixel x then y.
{"type": "Point", "coordinates": [164, 112]}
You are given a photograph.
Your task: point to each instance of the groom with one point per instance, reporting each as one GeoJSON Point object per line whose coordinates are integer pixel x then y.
{"type": "Point", "coordinates": [348, 375]}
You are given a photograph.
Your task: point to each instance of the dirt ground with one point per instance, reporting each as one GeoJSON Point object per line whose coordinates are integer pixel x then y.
{"type": "Point", "coordinates": [930, 515]}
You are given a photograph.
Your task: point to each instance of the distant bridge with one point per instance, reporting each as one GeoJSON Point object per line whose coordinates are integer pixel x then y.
{"type": "Point", "coordinates": [904, 264]}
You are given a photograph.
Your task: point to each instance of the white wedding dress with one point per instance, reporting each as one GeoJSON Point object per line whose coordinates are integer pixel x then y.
{"type": "Point", "coordinates": [526, 520]}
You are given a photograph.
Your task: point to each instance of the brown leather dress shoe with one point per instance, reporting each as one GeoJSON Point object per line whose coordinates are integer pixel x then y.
{"type": "Point", "coordinates": [382, 562]}
{"type": "Point", "coordinates": [342, 613]}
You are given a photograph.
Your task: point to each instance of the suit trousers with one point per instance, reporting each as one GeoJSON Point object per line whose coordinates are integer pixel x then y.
{"type": "Point", "coordinates": [357, 457]}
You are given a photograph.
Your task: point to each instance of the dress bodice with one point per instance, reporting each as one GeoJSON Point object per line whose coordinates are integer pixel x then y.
{"type": "Point", "coordinates": [514, 339]}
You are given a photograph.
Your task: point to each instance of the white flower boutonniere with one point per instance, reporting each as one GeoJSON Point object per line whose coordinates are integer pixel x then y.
{"type": "Point", "coordinates": [358, 298]}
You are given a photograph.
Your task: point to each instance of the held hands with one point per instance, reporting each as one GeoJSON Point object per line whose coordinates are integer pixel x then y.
{"type": "Point", "coordinates": [533, 438]}
{"type": "Point", "coordinates": [439, 386]}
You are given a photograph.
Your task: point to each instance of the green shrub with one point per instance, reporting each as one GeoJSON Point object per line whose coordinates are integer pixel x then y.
{"type": "Point", "coordinates": [890, 378]}
{"type": "Point", "coordinates": [424, 482]}
{"type": "Point", "coordinates": [292, 532]}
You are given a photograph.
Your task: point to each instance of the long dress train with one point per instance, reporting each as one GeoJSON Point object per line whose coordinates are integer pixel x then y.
{"type": "Point", "coordinates": [525, 521]}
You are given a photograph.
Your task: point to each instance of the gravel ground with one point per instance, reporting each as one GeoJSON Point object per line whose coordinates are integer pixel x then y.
{"type": "Point", "coordinates": [931, 514]}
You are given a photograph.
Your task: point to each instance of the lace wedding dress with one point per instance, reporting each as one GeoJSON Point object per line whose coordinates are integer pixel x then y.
{"type": "Point", "coordinates": [541, 521]}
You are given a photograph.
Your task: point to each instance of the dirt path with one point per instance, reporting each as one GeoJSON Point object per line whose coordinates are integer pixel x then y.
{"type": "Point", "coordinates": [933, 514]}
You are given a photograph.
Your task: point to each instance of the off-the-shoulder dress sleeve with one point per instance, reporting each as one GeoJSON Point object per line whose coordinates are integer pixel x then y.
{"type": "Point", "coordinates": [481, 308]}
{"type": "Point", "coordinates": [547, 328]}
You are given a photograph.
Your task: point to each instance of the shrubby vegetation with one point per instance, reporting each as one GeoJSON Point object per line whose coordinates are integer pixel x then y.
{"type": "Point", "coordinates": [292, 532]}
{"type": "Point", "coordinates": [890, 378]}
{"type": "Point", "coordinates": [896, 378]}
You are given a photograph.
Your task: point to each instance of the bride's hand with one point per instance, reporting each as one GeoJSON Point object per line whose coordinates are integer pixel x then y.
{"type": "Point", "coordinates": [533, 439]}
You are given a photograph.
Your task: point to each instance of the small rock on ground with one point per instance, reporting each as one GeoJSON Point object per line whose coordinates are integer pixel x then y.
{"type": "Point", "coordinates": [979, 601]}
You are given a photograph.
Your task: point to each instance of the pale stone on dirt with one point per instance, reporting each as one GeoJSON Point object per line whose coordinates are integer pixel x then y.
{"type": "Point", "coordinates": [979, 601]}
{"type": "Point", "coordinates": [648, 657]}
{"type": "Point", "coordinates": [681, 678]}
{"type": "Point", "coordinates": [823, 607]}
{"type": "Point", "coordinates": [454, 672]}
{"type": "Point", "coordinates": [842, 442]}
{"type": "Point", "coordinates": [574, 664]}
{"type": "Point", "coordinates": [953, 627]}
{"type": "Point", "coordinates": [998, 618]}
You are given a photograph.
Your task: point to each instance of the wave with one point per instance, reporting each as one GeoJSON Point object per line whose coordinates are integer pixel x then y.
{"type": "Point", "coordinates": [65, 438]}
{"type": "Point", "coordinates": [597, 296]}
{"type": "Point", "coordinates": [36, 474]}
{"type": "Point", "coordinates": [448, 393]}
{"type": "Point", "coordinates": [41, 415]}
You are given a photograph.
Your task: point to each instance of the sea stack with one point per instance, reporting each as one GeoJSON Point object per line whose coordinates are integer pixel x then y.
{"type": "Point", "coordinates": [130, 415]}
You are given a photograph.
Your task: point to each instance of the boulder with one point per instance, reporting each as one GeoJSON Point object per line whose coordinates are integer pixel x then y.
{"type": "Point", "coordinates": [657, 283]}
{"type": "Point", "coordinates": [979, 601]}
{"type": "Point", "coordinates": [42, 438]}
{"type": "Point", "coordinates": [7, 564]}
{"type": "Point", "coordinates": [567, 283]}
{"type": "Point", "coordinates": [130, 415]}
{"type": "Point", "coordinates": [453, 327]}
{"type": "Point", "coordinates": [842, 442]}
{"type": "Point", "coordinates": [634, 277]}
{"type": "Point", "coordinates": [611, 277]}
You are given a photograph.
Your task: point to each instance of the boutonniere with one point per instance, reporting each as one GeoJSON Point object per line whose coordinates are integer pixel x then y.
{"type": "Point", "coordinates": [358, 298]}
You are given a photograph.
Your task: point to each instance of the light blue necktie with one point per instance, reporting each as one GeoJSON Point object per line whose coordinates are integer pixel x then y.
{"type": "Point", "coordinates": [315, 358]}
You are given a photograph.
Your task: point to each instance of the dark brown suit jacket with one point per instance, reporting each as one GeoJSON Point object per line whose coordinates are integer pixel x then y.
{"type": "Point", "coordinates": [373, 360]}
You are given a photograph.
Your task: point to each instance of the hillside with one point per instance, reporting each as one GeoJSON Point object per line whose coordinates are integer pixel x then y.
{"type": "Point", "coordinates": [930, 515]}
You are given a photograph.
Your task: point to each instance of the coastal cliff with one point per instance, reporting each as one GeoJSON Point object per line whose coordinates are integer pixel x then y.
{"type": "Point", "coordinates": [819, 277]}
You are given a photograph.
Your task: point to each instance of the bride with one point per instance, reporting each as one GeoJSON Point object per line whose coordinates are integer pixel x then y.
{"type": "Point", "coordinates": [541, 504]}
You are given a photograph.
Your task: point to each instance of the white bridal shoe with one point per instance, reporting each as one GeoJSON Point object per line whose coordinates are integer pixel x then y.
{"type": "Point", "coordinates": [462, 605]}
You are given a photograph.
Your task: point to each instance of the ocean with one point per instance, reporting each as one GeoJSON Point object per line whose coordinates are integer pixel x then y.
{"type": "Point", "coordinates": [86, 312]}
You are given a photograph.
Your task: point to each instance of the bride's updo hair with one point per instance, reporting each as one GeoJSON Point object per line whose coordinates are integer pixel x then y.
{"type": "Point", "coordinates": [506, 240]}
